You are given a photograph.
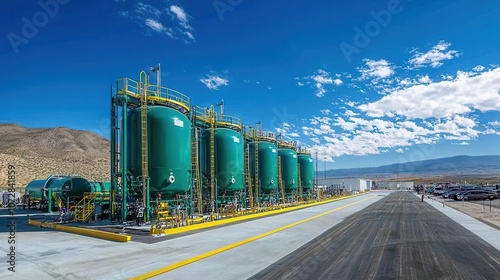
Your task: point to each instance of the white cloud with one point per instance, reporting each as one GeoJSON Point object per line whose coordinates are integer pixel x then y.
{"type": "Point", "coordinates": [443, 99]}
{"type": "Point", "coordinates": [400, 150]}
{"type": "Point", "coordinates": [162, 21]}
{"type": "Point", "coordinates": [376, 69]}
{"type": "Point", "coordinates": [424, 79]}
{"type": "Point", "coordinates": [214, 81]}
{"type": "Point", "coordinates": [478, 68]}
{"type": "Point", "coordinates": [318, 81]}
{"type": "Point", "coordinates": [181, 16]}
{"type": "Point", "coordinates": [494, 123]}
{"type": "Point", "coordinates": [325, 112]}
{"type": "Point", "coordinates": [156, 26]}
{"type": "Point", "coordinates": [461, 143]}
{"type": "Point", "coordinates": [433, 57]}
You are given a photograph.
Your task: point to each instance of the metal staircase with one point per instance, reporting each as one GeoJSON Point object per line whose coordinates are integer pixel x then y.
{"type": "Point", "coordinates": [58, 200]}
{"type": "Point", "coordinates": [195, 170]}
{"type": "Point", "coordinates": [85, 207]}
{"type": "Point", "coordinates": [248, 176]}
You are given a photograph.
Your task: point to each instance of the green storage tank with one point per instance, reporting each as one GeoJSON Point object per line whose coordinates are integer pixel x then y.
{"type": "Point", "coordinates": [70, 187]}
{"type": "Point", "coordinates": [63, 186]}
{"type": "Point", "coordinates": [268, 165]}
{"type": "Point", "coordinates": [228, 159]}
{"type": "Point", "coordinates": [169, 143]}
{"type": "Point", "coordinates": [34, 188]}
{"type": "Point", "coordinates": [289, 173]}
{"type": "Point", "coordinates": [102, 187]}
{"type": "Point", "coordinates": [306, 171]}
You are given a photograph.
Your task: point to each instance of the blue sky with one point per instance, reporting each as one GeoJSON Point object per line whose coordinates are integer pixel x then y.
{"type": "Point", "coordinates": [363, 83]}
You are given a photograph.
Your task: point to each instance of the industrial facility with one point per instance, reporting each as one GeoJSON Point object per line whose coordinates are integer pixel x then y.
{"type": "Point", "coordinates": [170, 158]}
{"type": "Point", "coordinates": [175, 164]}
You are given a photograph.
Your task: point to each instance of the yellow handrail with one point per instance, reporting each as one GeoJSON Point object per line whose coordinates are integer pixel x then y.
{"type": "Point", "coordinates": [129, 87]}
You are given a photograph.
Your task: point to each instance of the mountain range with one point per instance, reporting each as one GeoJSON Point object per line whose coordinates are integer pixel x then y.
{"type": "Point", "coordinates": [458, 166]}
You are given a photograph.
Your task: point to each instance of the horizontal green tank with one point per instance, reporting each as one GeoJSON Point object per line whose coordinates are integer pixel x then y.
{"type": "Point", "coordinates": [34, 188]}
{"type": "Point", "coordinates": [70, 187]}
{"type": "Point", "coordinates": [101, 187]}
{"type": "Point", "coordinates": [268, 165]}
{"type": "Point", "coordinates": [63, 186]}
{"type": "Point", "coordinates": [169, 144]}
{"type": "Point", "coordinates": [306, 171]}
{"type": "Point", "coordinates": [289, 173]}
{"type": "Point", "coordinates": [228, 159]}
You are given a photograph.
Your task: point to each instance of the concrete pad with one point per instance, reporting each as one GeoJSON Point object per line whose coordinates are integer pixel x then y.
{"type": "Point", "coordinates": [45, 254]}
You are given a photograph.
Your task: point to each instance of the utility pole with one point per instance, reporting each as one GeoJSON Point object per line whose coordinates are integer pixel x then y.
{"type": "Point", "coordinates": [316, 169]}
{"type": "Point", "coordinates": [325, 165]}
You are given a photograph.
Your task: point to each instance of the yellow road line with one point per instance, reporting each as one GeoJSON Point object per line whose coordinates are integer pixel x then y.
{"type": "Point", "coordinates": [176, 265]}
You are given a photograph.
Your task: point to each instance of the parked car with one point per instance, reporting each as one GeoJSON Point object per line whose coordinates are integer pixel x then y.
{"type": "Point", "coordinates": [475, 195]}
{"type": "Point", "coordinates": [438, 190]}
{"type": "Point", "coordinates": [447, 193]}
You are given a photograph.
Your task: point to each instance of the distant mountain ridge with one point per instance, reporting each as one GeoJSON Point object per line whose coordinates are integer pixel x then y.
{"type": "Point", "coordinates": [457, 165]}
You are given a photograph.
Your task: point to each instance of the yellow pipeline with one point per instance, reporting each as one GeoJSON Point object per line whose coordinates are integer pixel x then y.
{"type": "Point", "coordinates": [82, 231]}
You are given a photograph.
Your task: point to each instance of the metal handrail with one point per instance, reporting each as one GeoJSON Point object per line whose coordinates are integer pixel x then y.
{"type": "Point", "coordinates": [303, 151]}
{"type": "Point", "coordinates": [127, 86]}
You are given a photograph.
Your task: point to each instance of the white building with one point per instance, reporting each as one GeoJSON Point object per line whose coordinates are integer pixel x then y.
{"type": "Point", "coordinates": [341, 185]}
{"type": "Point", "coordinates": [394, 185]}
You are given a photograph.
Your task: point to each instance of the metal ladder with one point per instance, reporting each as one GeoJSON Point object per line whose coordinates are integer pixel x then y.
{"type": "Point", "coordinates": [144, 128]}
{"type": "Point", "coordinates": [300, 183]}
{"type": "Point", "coordinates": [195, 170]}
{"type": "Point", "coordinates": [256, 170]}
{"type": "Point", "coordinates": [248, 176]}
{"type": "Point", "coordinates": [280, 181]}
{"type": "Point", "coordinates": [144, 137]}
{"type": "Point", "coordinates": [212, 158]}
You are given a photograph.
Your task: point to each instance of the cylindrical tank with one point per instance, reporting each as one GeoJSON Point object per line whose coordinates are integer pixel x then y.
{"type": "Point", "coordinates": [169, 144]}
{"type": "Point", "coordinates": [69, 187]}
{"type": "Point", "coordinates": [101, 187]}
{"type": "Point", "coordinates": [306, 171]}
{"type": "Point", "coordinates": [268, 165]}
{"type": "Point", "coordinates": [228, 159]}
{"type": "Point", "coordinates": [289, 173]}
{"type": "Point", "coordinates": [34, 188]}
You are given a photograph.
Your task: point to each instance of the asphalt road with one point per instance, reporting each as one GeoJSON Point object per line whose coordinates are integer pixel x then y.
{"type": "Point", "coordinates": [399, 237]}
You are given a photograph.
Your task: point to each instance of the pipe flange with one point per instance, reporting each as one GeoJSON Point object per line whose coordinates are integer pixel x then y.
{"type": "Point", "coordinates": [233, 180]}
{"type": "Point", "coordinates": [272, 181]}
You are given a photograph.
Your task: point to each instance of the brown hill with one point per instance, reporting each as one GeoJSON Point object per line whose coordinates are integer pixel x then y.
{"type": "Point", "coordinates": [39, 152]}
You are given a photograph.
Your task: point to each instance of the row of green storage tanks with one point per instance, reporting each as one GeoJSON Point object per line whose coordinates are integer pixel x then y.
{"type": "Point", "coordinates": [169, 144]}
